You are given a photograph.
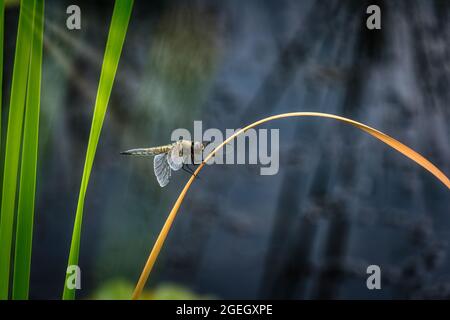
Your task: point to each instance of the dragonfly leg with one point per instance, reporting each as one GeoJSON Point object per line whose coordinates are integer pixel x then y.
{"type": "Point", "coordinates": [188, 169]}
{"type": "Point", "coordinates": [195, 165]}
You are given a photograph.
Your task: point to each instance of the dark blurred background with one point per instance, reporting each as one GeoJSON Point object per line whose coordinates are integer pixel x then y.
{"type": "Point", "coordinates": [341, 200]}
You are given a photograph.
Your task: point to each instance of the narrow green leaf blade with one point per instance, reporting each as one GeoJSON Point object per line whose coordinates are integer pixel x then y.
{"type": "Point", "coordinates": [27, 188]}
{"type": "Point", "coordinates": [2, 27]}
{"type": "Point", "coordinates": [13, 142]}
{"type": "Point", "coordinates": [114, 44]}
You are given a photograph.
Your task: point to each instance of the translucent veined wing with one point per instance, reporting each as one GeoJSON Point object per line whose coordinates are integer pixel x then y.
{"type": "Point", "coordinates": [175, 157]}
{"type": "Point", "coordinates": [162, 169]}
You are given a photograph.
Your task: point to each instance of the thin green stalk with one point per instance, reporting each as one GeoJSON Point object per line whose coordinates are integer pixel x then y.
{"type": "Point", "coordinates": [27, 188]}
{"type": "Point", "coordinates": [2, 27]}
{"type": "Point", "coordinates": [13, 143]}
{"type": "Point", "coordinates": [114, 44]}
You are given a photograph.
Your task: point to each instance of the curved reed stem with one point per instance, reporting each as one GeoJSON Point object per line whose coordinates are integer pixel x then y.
{"type": "Point", "coordinates": [400, 147]}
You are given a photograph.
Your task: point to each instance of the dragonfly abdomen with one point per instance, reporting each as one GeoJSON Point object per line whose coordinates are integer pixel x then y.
{"type": "Point", "coordinates": [148, 151]}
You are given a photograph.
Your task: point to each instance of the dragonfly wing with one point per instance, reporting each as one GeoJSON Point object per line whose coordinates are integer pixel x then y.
{"type": "Point", "coordinates": [162, 169]}
{"type": "Point", "coordinates": [174, 159]}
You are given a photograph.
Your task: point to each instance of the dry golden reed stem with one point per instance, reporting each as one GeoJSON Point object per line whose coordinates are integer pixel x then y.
{"type": "Point", "coordinates": [400, 147]}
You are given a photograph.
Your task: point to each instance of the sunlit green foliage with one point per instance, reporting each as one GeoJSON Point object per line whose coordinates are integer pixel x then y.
{"type": "Point", "coordinates": [27, 188]}
{"type": "Point", "coordinates": [13, 142]}
{"type": "Point", "coordinates": [116, 37]}
{"type": "Point", "coordinates": [120, 289]}
{"type": "Point", "coordinates": [2, 22]}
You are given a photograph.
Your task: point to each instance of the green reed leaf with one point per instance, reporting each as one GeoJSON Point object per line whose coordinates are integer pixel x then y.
{"type": "Point", "coordinates": [2, 27]}
{"type": "Point", "coordinates": [13, 142]}
{"type": "Point", "coordinates": [114, 44]}
{"type": "Point", "coordinates": [27, 189]}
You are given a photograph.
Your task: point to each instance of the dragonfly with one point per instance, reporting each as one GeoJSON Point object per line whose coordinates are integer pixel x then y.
{"type": "Point", "coordinates": [174, 156]}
